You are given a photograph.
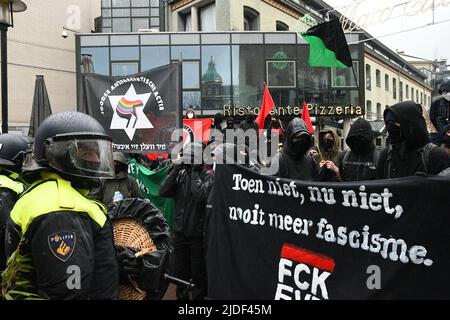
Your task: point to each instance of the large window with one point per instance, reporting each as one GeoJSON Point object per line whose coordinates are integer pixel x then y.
{"type": "Point", "coordinates": [368, 78]}
{"type": "Point", "coordinates": [394, 88]}
{"type": "Point", "coordinates": [281, 26]}
{"type": "Point", "coordinates": [378, 111]}
{"type": "Point", "coordinates": [247, 74]}
{"type": "Point", "coordinates": [251, 19]}
{"type": "Point", "coordinates": [378, 77]}
{"type": "Point", "coordinates": [386, 82]}
{"type": "Point", "coordinates": [369, 110]}
{"type": "Point", "coordinates": [216, 76]}
{"type": "Point", "coordinates": [412, 94]}
{"type": "Point", "coordinates": [401, 91]}
{"type": "Point", "coordinates": [417, 96]}
{"type": "Point", "coordinates": [208, 18]}
{"type": "Point", "coordinates": [125, 60]}
{"type": "Point", "coordinates": [130, 16]}
{"type": "Point", "coordinates": [407, 91]}
{"type": "Point", "coordinates": [152, 57]}
{"type": "Point", "coordinates": [100, 59]}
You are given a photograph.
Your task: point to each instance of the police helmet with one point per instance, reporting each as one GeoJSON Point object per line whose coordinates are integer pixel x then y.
{"type": "Point", "coordinates": [75, 145]}
{"type": "Point", "coordinates": [13, 149]}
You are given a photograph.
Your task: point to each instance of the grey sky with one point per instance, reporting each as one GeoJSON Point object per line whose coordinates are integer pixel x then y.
{"type": "Point", "coordinates": [429, 42]}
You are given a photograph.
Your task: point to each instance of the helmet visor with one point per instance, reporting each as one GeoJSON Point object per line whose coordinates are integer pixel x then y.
{"type": "Point", "coordinates": [89, 158]}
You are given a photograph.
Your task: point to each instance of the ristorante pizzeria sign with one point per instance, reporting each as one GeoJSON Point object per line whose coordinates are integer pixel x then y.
{"type": "Point", "coordinates": [315, 110]}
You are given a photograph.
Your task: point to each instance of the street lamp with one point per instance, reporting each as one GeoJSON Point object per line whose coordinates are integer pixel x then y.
{"type": "Point", "coordinates": [7, 8]}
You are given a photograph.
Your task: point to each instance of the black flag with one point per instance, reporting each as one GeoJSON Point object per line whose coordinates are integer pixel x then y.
{"type": "Point", "coordinates": [138, 111]}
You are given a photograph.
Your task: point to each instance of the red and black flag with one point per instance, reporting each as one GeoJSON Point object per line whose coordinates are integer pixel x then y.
{"type": "Point", "coordinates": [327, 45]}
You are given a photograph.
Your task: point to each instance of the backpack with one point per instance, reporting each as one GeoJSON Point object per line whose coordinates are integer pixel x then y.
{"type": "Point", "coordinates": [424, 155]}
{"type": "Point", "coordinates": [370, 165]}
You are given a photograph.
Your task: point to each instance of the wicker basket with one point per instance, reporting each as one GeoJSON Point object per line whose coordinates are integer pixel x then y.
{"type": "Point", "coordinates": [131, 233]}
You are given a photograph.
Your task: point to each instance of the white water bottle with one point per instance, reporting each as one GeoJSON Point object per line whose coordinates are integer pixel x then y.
{"type": "Point", "coordinates": [117, 196]}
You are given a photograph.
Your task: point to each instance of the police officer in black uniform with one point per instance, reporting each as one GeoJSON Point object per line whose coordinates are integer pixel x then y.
{"type": "Point", "coordinates": [13, 149]}
{"type": "Point", "coordinates": [67, 236]}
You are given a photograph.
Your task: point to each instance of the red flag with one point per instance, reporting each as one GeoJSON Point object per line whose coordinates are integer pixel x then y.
{"type": "Point", "coordinates": [266, 107]}
{"type": "Point", "coordinates": [306, 118]}
{"type": "Point", "coordinates": [196, 130]}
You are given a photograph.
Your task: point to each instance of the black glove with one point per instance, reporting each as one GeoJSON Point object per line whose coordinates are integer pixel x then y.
{"type": "Point", "coordinates": [127, 261]}
{"type": "Point", "coordinates": [154, 265]}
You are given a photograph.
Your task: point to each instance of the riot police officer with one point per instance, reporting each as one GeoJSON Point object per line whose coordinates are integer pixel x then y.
{"type": "Point", "coordinates": [13, 149]}
{"type": "Point", "coordinates": [67, 236]}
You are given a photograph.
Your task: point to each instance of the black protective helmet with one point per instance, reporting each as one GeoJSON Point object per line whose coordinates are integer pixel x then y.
{"type": "Point", "coordinates": [75, 145]}
{"type": "Point", "coordinates": [13, 149]}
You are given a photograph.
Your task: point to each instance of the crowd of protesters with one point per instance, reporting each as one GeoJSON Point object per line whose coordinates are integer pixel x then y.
{"type": "Point", "coordinates": [63, 164]}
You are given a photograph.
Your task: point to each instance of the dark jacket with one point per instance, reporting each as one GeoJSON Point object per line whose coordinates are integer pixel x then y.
{"type": "Point", "coordinates": [290, 166]}
{"type": "Point", "coordinates": [189, 211]}
{"type": "Point", "coordinates": [359, 164]}
{"type": "Point", "coordinates": [440, 114]}
{"type": "Point", "coordinates": [67, 237]}
{"type": "Point", "coordinates": [405, 158]}
{"type": "Point", "coordinates": [122, 182]}
{"type": "Point", "coordinates": [7, 200]}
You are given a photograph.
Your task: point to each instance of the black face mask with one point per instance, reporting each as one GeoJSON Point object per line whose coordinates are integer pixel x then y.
{"type": "Point", "coordinates": [328, 144]}
{"type": "Point", "coordinates": [395, 133]}
{"type": "Point", "coordinates": [299, 148]}
{"type": "Point", "coordinates": [359, 145]}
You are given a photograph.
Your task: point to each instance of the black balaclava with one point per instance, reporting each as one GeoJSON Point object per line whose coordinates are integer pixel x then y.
{"type": "Point", "coordinates": [328, 144]}
{"type": "Point", "coordinates": [298, 149]}
{"type": "Point", "coordinates": [360, 137]}
{"type": "Point", "coordinates": [395, 131]}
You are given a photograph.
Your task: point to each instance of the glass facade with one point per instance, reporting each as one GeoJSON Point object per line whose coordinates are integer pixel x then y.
{"type": "Point", "coordinates": [131, 15]}
{"type": "Point", "coordinates": [228, 70]}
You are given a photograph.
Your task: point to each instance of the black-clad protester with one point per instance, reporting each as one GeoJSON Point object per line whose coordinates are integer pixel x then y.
{"type": "Point", "coordinates": [360, 161]}
{"type": "Point", "coordinates": [410, 150]}
{"type": "Point", "coordinates": [122, 182]}
{"type": "Point", "coordinates": [330, 152]}
{"type": "Point", "coordinates": [189, 215]}
{"type": "Point", "coordinates": [440, 111]}
{"type": "Point", "coordinates": [294, 162]}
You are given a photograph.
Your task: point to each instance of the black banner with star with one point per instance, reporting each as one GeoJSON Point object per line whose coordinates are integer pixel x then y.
{"type": "Point", "coordinates": [140, 111]}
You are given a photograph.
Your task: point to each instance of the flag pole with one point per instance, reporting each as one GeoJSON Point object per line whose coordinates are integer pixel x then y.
{"type": "Point", "coordinates": [180, 82]}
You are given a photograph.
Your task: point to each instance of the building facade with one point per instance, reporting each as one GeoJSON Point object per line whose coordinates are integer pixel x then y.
{"type": "Point", "coordinates": [225, 71]}
{"type": "Point", "coordinates": [229, 49]}
{"type": "Point", "coordinates": [237, 15]}
{"type": "Point", "coordinates": [35, 47]}
{"type": "Point", "coordinates": [389, 80]}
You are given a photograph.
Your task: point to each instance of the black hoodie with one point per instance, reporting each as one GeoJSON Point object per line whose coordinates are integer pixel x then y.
{"type": "Point", "coordinates": [359, 162]}
{"type": "Point", "coordinates": [291, 166]}
{"type": "Point", "coordinates": [405, 158]}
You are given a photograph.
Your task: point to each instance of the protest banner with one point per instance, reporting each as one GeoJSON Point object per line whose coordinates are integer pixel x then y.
{"type": "Point", "coordinates": [149, 182]}
{"type": "Point", "coordinates": [270, 238]}
{"type": "Point", "coordinates": [196, 130]}
{"type": "Point", "coordinates": [138, 111]}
